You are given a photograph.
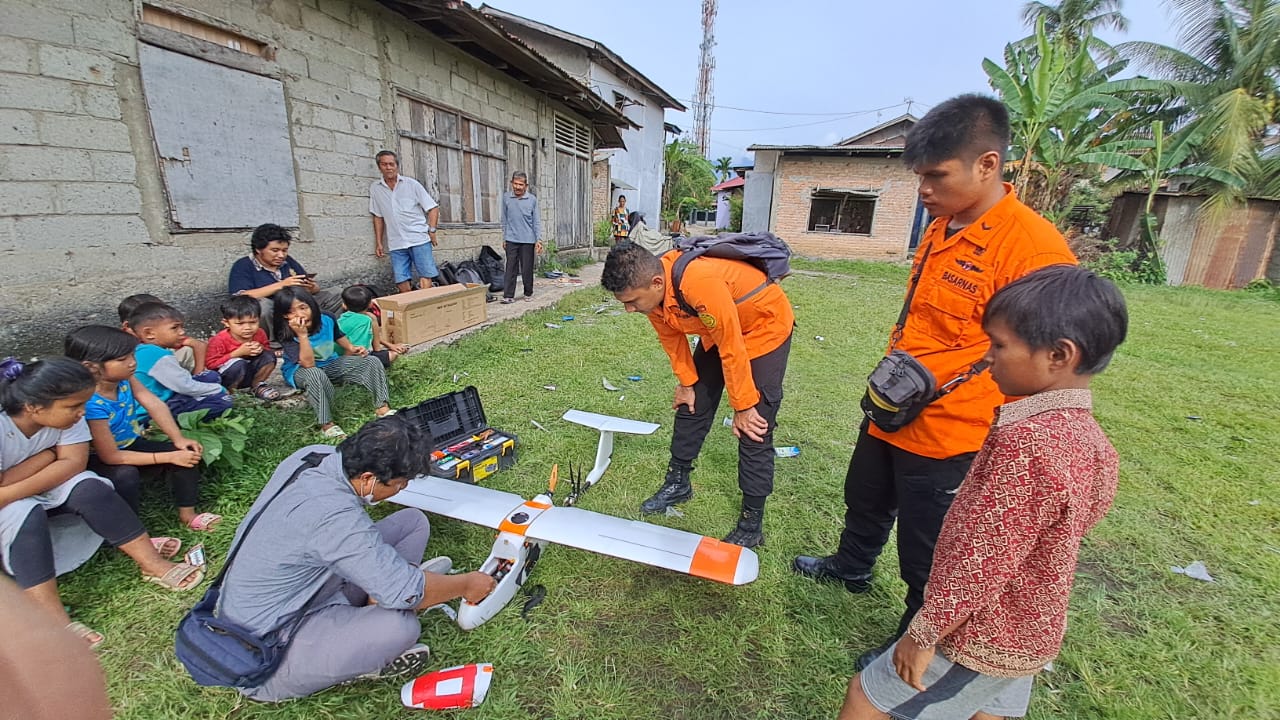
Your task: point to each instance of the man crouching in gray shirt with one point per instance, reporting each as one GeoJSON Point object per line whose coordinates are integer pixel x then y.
{"type": "Point", "coordinates": [317, 538]}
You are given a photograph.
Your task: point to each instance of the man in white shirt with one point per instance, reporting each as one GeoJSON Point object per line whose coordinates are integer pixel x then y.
{"type": "Point", "coordinates": [404, 222]}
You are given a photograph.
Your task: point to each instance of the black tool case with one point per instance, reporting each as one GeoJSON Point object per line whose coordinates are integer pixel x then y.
{"type": "Point", "coordinates": [464, 447]}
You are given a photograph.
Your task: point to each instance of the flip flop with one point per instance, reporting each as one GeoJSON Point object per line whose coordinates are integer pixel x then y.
{"type": "Point", "coordinates": [204, 522]}
{"type": "Point", "coordinates": [161, 543]}
{"type": "Point", "coordinates": [265, 392]}
{"type": "Point", "coordinates": [333, 431]}
{"type": "Point", "coordinates": [172, 580]}
{"type": "Point", "coordinates": [86, 633]}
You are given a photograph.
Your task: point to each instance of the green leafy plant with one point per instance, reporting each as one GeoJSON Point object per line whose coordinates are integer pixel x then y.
{"type": "Point", "coordinates": [223, 438]}
{"type": "Point", "coordinates": [602, 234]}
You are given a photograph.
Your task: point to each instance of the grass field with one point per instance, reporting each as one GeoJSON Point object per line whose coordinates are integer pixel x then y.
{"type": "Point", "coordinates": [1192, 402]}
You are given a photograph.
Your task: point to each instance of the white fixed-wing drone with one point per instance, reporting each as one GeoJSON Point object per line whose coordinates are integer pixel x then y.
{"type": "Point", "coordinates": [524, 526]}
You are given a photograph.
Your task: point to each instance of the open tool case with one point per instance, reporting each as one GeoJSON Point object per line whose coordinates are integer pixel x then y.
{"type": "Point", "coordinates": [464, 447]}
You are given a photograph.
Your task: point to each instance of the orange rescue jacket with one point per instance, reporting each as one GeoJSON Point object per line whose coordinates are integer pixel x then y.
{"type": "Point", "coordinates": [944, 324]}
{"type": "Point", "coordinates": [742, 331]}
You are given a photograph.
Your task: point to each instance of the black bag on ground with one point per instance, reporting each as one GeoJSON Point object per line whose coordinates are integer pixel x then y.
{"type": "Point", "coordinates": [492, 263]}
{"type": "Point", "coordinates": [220, 653]}
{"type": "Point", "coordinates": [468, 273]}
{"type": "Point", "coordinates": [447, 274]}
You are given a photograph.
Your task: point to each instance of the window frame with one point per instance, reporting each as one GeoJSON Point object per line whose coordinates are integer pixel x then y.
{"type": "Point", "coordinates": [839, 196]}
{"type": "Point", "coordinates": [469, 155]}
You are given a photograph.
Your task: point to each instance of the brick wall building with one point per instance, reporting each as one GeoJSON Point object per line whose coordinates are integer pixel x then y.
{"type": "Point", "coordinates": [141, 141]}
{"type": "Point", "coordinates": [853, 200]}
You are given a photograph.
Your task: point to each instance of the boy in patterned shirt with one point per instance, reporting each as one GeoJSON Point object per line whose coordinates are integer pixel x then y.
{"type": "Point", "coordinates": [995, 606]}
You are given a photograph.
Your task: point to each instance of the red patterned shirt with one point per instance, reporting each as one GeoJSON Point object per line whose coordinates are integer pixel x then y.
{"type": "Point", "coordinates": [1006, 555]}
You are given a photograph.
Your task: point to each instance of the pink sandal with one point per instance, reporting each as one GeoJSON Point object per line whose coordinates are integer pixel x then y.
{"type": "Point", "coordinates": [161, 543]}
{"type": "Point", "coordinates": [204, 522]}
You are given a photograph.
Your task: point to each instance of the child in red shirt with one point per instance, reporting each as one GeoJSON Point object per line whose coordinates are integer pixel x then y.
{"type": "Point", "coordinates": [995, 606]}
{"type": "Point", "coordinates": [240, 352]}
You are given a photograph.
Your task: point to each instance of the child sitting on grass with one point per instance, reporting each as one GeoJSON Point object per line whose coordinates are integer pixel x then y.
{"type": "Point", "coordinates": [161, 328]}
{"type": "Point", "coordinates": [362, 327]}
{"type": "Point", "coordinates": [995, 606]}
{"type": "Point", "coordinates": [240, 352]}
{"type": "Point", "coordinates": [44, 450]}
{"type": "Point", "coordinates": [310, 340]}
{"type": "Point", "coordinates": [121, 454]}
{"type": "Point", "coordinates": [192, 353]}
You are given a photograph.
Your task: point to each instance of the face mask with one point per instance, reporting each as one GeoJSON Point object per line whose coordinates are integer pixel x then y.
{"type": "Point", "coordinates": [368, 499]}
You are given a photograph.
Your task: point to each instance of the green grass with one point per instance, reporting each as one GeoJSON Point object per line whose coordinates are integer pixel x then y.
{"type": "Point", "coordinates": [618, 640]}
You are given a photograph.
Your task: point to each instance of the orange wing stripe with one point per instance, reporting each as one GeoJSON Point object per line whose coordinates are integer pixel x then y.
{"type": "Point", "coordinates": [540, 506]}
{"type": "Point", "coordinates": [715, 560]}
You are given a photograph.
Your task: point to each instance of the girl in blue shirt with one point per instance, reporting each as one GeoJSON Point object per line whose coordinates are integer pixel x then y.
{"type": "Point", "coordinates": [120, 453]}
{"type": "Point", "coordinates": [310, 340]}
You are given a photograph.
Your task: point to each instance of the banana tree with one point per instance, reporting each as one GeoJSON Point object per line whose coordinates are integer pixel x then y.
{"type": "Point", "coordinates": [1150, 162]}
{"type": "Point", "coordinates": [1062, 104]}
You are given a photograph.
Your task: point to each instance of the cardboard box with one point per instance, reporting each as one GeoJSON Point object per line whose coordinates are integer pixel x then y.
{"type": "Point", "coordinates": [423, 315]}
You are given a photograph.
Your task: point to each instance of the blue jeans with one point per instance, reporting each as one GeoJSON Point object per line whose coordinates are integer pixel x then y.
{"type": "Point", "coordinates": [417, 257]}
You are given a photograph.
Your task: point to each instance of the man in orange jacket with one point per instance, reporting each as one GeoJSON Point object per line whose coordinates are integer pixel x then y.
{"type": "Point", "coordinates": [744, 338]}
{"type": "Point", "coordinates": [981, 239]}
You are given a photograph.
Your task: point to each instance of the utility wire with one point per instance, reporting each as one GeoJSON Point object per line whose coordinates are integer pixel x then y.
{"type": "Point", "coordinates": [816, 122]}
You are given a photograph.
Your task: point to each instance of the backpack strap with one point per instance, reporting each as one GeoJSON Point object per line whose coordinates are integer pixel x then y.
{"type": "Point", "coordinates": [677, 275]}
{"type": "Point", "coordinates": [310, 460]}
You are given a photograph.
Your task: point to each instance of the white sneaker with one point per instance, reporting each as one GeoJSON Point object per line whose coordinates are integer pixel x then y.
{"type": "Point", "coordinates": [440, 565]}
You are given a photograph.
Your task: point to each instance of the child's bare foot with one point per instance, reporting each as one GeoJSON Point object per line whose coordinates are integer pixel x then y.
{"type": "Point", "coordinates": [384, 411]}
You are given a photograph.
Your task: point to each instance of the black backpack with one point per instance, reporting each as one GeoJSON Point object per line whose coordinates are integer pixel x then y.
{"type": "Point", "coordinates": [448, 274]}
{"type": "Point", "coordinates": [492, 268]}
{"type": "Point", "coordinates": [469, 274]}
{"type": "Point", "coordinates": [766, 251]}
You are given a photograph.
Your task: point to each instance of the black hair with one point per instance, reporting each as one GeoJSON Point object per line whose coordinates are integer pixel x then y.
{"type": "Point", "coordinates": [240, 306]}
{"type": "Point", "coordinates": [98, 344]}
{"type": "Point", "coordinates": [390, 447]}
{"type": "Point", "coordinates": [383, 153]}
{"type": "Point", "coordinates": [622, 197]}
{"type": "Point", "coordinates": [152, 313]}
{"type": "Point", "coordinates": [283, 300]}
{"type": "Point", "coordinates": [1064, 302]}
{"type": "Point", "coordinates": [357, 298]}
{"type": "Point", "coordinates": [963, 127]}
{"type": "Point", "coordinates": [131, 303]}
{"type": "Point", "coordinates": [267, 233]}
{"type": "Point", "coordinates": [520, 175]}
{"type": "Point", "coordinates": [628, 267]}
{"type": "Point", "coordinates": [41, 383]}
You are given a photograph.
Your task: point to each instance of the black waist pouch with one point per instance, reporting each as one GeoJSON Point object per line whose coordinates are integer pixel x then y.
{"type": "Point", "coordinates": [898, 389]}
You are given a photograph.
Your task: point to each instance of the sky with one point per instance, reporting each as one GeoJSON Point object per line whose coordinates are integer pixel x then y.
{"type": "Point", "coordinates": [811, 72]}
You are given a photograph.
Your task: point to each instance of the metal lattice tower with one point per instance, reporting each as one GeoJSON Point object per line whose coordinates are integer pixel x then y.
{"type": "Point", "coordinates": [703, 101]}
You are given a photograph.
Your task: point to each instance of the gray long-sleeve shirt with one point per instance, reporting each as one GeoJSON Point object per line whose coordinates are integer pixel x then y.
{"type": "Point", "coordinates": [315, 529]}
{"type": "Point", "coordinates": [520, 218]}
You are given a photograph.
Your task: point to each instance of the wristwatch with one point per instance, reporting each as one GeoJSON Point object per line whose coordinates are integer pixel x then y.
{"type": "Point", "coordinates": [430, 229]}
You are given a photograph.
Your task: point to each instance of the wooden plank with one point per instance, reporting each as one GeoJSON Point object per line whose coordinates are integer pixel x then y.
{"type": "Point", "coordinates": [205, 50]}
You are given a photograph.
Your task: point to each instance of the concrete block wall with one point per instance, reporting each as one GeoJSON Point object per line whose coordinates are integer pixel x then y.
{"type": "Point", "coordinates": [83, 214]}
{"type": "Point", "coordinates": [798, 176]}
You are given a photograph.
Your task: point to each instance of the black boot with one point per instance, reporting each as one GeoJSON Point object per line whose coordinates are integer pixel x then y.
{"type": "Point", "coordinates": [675, 490]}
{"type": "Point", "coordinates": [824, 569]}
{"type": "Point", "coordinates": [750, 530]}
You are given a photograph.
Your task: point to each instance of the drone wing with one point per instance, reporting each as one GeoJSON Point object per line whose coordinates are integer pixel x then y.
{"type": "Point", "coordinates": [458, 500]}
{"type": "Point", "coordinates": [646, 543]}
{"type": "Point", "coordinates": [609, 423]}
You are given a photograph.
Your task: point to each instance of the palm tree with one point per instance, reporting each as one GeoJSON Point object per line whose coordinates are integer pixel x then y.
{"type": "Point", "coordinates": [1076, 18]}
{"type": "Point", "coordinates": [1075, 21]}
{"type": "Point", "coordinates": [1226, 78]}
{"type": "Point", "coordinates": [688, 180]}
{"type": "Point", "coordinates": [724, 167]}
{"type": "Point", "coordinates": [1062, 104]}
